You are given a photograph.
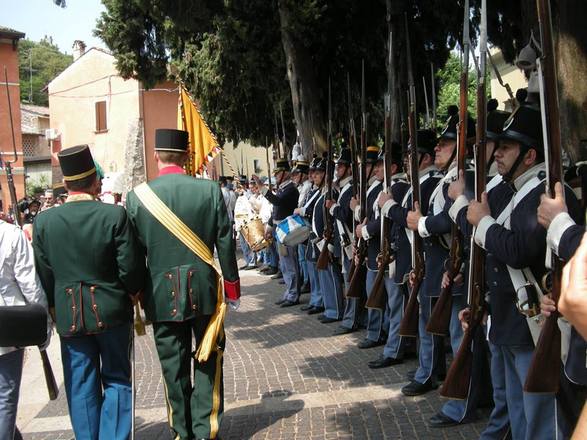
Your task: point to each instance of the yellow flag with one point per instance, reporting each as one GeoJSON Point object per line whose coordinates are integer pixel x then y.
{"type": "Point", "coordinates": [203, 144]}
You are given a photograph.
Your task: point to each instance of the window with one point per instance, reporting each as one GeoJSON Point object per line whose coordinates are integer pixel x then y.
{"type": "Point", "coordinates": [101, 124]}
{"type": "Point", "coordinates": [257, 166]}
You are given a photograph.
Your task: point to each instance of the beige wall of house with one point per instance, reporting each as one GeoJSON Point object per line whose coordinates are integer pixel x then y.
{"type": "Point", "coordinates": [72, 102]}
{"type": "Point", "coordinates": [510, 74]}
{"type": "Point", "coordinates": [243, 159]}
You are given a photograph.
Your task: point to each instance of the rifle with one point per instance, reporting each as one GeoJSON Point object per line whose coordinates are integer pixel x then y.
{"type": "Point", "coordinates": [324, 257]}
{"type": "Point", "coordinates": [433, 97]}
{"type": "Point", "coordinates": [283, 132]}
{"type": "Point", "coordinates": [52, 387]}
{"type": "Point", "coordinates": [544, 372]}
{"type": "Point", "coordinates": [358, 274]}
{"type": "Point", "coordinates": [409, 323]}
{"type": "Point", "coordinates": [377, 298]}
{"type": "Point", "coordinates": [428, 122]}
{"type": "Point", "coordinates": [439, 321]}
{"type": "Point", "coordinates": [458, 378]}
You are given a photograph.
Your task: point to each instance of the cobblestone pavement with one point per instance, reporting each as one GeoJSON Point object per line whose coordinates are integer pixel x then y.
{"type": "Point", "coordinates": [286, 377]}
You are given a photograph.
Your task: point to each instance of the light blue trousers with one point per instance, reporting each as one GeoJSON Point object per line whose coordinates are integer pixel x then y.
{"type": "Point", "coordinates": [97, 376]}
{"type": "Point", "coordinates": [331, 285]}
{"type": "Point", "coordinates": [316, 297]}
{"type": "Point", "coordinates": [394, 347]}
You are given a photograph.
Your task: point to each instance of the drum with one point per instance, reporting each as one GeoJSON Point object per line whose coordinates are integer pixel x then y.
{"type": "Point", "coordinates": [293, 230]}
{"type": "Point", "coordinates": [254, 233]}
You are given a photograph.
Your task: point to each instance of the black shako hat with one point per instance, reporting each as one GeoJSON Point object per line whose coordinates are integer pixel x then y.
{"type": "Point", "coordinates": [281, 165]}
{"type": "Point", "coordinates": [76, 163]}
{"type": "Point", "coordinates": [315, 162]}
{"type": "Point", "coordinates": [167, 139]}
{"type": "Point", "coordinates": [450, 129]}
{"type": "Point", "coordinates": [345, 157]}
{"type": "Point", "coordinates": [524, 126]}
{"type": "Point", "coordinates": [427, 141]}
{"type": "Point", "coordinates": [322, 162]}
{"type": "Point", "coordinates": [396, 154]}
{"type": "Point", "coordinates": [495, 120]}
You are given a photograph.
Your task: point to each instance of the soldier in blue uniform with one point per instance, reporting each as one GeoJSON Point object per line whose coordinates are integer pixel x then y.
{"type": "Point", "coordinates": [563, 237]}
{"type": "Point", "coordinates": [330, 279]}
{"type": "Point", "coordinates": [284, 201]}
{"type": "Point", "coordinates": [398, 210]}
{"type": "Point", "coordinates": [353, 314]}
{"type": "Point", "coordinates": [516, 244]}
{"type": "Point", "coordinates": [499, 194]}
{"type": "Point", "coordinates": [369, 230]}
{"type": "Point", "coordinates": [317, 173]}
{"type": "Point", "coordinates": [394, 346]}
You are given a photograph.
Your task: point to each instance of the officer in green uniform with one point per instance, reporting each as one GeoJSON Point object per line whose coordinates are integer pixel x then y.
{"type": "Point", "coordinates": [181, 293]}
{"type": "Point", "coordinates": [90, 264]}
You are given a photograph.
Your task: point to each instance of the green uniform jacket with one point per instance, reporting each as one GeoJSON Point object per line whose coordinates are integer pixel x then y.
{"type": "Point", "coordinates": [179, 285]}
{"type": "Point", "coordinates": [89, 261]}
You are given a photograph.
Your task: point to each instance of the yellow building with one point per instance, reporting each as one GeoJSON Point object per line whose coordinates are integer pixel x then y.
{"type": "Point", "coordinates": [510, 75]}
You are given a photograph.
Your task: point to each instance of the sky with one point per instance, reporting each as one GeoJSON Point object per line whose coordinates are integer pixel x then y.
{"type": "Point", "coordinates": [37, 18]}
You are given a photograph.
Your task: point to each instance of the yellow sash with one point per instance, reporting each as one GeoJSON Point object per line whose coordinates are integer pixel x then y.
{"type": "Point", "coordinates": [183, 233]}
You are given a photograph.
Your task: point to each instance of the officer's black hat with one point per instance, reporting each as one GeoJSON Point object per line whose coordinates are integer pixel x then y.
{"type": "Point", "coordinates": [281, 165]}
{"type": "Point", "coordinates": [76, 163]}
{"type": "Point", "coordinates": [524, 126]}
{"type": "Point", "coordinates": [345, 157]}
{"type": "Point", "coordinates": [301, 166]}
{"type": "Point", "coordinates": [495, 120]}
{"type": "Point", "coordinates": [427, 141]}
{"type": "Point", "coordinates": [167, 139]}
{"type": "Point", "coordinates": [59, 190]}
{"type": "Point", "coordinates": [242, 179]}
{"type": "Point", "coordinates": [372, 155]}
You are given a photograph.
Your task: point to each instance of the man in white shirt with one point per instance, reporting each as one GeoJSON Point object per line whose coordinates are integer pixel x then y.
{"type": "Point", "coordinates": [19, 285]}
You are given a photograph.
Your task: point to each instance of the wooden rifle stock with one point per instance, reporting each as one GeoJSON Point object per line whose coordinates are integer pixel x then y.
{"type": "Point", "coordinates": [544, 372]}
{"type": "Point", "coordinates": [377, 298]}
{"type": "Point", "coordinates": [324, 257]}
{"type": "Point", "coordinates": [357, 281]}
{"type": "Point", "coordinates": [409, 325]}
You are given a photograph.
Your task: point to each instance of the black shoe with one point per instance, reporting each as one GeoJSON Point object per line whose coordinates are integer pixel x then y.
{"type": "Point", "coordinates": [250, 267]}
{"type": "Point", "coordinates": [315, 310]}
{"type": "Point", "coordinates": [384, 362]}
{"type": "Point", "coordinates": [321, 317]}
{"type": "Point", "coordinates": [439, 420]}
{"type": "Point", "coordinates": [368, 343]}
{"type": "Point", "coordinates": [280, 302]}
{"type": "Point", "coordinates": [344, 331]}
{"type": "Point", "coordinates": [305, 288]}
{"type": "Point", "coordinates": [326, 320]}
{"type": "Point", "coordinates": [243, 267]}
{"type": "Point", "coordinates": [287, 303]}
{"type": "Point", "coordinates": [417, 389]}
{"type": "Point", "coordinates": [281, 282]}
{"type": "Point", "coordinates": [270, 271]}
{"type": "Point", "coordinates": [277, 276]}
{"type": "Point", "coordinates": [262, 267]}
{"type": "Point", "coordinates": [306, 308]}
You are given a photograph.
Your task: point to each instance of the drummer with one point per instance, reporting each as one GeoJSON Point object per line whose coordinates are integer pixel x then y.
{"type": "Point", "coordinates": [299, 175]}
{"type": "Point", "coordinates": [284, 202]}
{"type": "Point", "coordinates": [243, 214]}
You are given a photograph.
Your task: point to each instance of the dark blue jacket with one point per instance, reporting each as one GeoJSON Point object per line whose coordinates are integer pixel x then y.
{"type": "Point", "coordinates": [373, 227]}
{"type": "Point", "coordinates": [399, 214]}
{"type": "Point", "coordinates": [284, 202]}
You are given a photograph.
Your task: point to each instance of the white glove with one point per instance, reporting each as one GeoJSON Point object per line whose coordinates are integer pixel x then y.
{"type": "Point", "coordinates": [234, 304]}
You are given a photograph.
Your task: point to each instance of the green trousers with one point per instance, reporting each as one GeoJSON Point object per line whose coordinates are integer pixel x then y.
{"type": "Point", "coordinates": [194, 409]}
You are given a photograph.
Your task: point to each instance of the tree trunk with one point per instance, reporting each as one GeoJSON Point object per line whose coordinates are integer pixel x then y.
{"type": "Point", "coordinates": [305, 92]}
{"type": "Point", "coordinates": [571, 49]}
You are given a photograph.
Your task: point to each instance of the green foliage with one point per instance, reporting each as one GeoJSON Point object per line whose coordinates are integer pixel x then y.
{"type": "Point", "coordinates": [37, 185]}
{"type": "Point", "coordinates": [449, 78]}
{"type": "Point", "coordinates": [45, 62]}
